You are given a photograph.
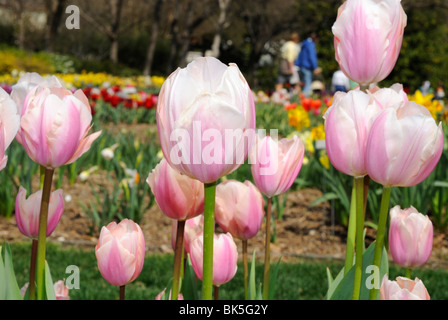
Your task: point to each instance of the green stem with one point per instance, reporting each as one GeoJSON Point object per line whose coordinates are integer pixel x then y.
{"type": "Point", "coordinates": [350, 247]}
{"type": "Point", "coordinates": [359, 186]}
{"type": "Point", "coordinates": [381, 231]}
{"type": "Point", "coordinates": [179, 248]}
{"type": "Point", "coordinates": [32, 283]}
{"type": "Point", "coordinates": [267, 253]}
{"type": "Point", "coordinates": [209, 231]}
{"type": "Point", "coordinates": [408, 273]}
{"type": "Point", "coordinates": [42, 235]}
{"type": "Point", "coordinates": [246, 270]}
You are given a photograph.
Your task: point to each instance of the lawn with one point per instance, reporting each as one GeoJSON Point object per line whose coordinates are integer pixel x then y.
{"type": "Point", "coordinates": [303, 279]}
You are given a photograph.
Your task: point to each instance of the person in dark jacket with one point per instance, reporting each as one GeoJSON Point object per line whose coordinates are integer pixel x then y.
{"type": "Point", "coordinates": [307, 62]}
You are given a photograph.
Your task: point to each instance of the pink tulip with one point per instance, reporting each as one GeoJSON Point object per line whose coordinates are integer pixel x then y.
{"type": "Point", "coordinates": [239, 208]}
{"type": "Point", "coordinates": [276, 164]}
{"type": "Point", "coordinates": [27, 212]}
{"type": "Point", "coordinates": [61, 290]}
{"type": "Point", "coordinates": [404, 146]}
{"type": "Point", "coordinates": [403, 289]}
{"type": "Point", "coordinates": [54, 126]}
{"type": "Point", "coordinates": [347, 126]}
{"type": "Point", "coordinates": [225, 257]}
{"type": "Point", "coordinates": [160, 295]}
{"type": "Point", "coordinates": [193, 228]}
{"type": "Point", "coordinates": [178, 196]}
{"type": "Point", "coordinates": [206, 119]}
{"type": "Point", "coordinates": [9, 124]}
{"type": "Point", "coordinates": [120, 252]}
{"type": "Point", "coordinates": [410, 237]}
{"type": "Point", "coordinates": [367, 38]}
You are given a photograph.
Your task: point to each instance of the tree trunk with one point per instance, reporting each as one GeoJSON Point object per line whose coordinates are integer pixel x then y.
{"type": "Point", "coordinates": [154, 36]}
{"type": "Point", "coordinates": [54, 17]}
{"type": "Point", "coordinates": [116, 7]}
{"type": "Point", "coordinates": [222, 24]}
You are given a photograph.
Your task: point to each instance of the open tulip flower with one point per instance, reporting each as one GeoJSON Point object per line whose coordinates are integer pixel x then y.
{"type": "Point", "coordinates": [204, 112]}
{"type": "Point", "coordinates": [54, 126]}
{"type": "Point", "coordinates": [410, 237]}
{"type": "Point", "coordinates": [403, 289]}
{"type": "Point", "coordinates": [9, 124]}
{"type": "Point", "coordinates": [367, 38]}
{"type": "Point", "coordinates": [120, 252]}
{"type": "Point", "coordinates": [27, 212]}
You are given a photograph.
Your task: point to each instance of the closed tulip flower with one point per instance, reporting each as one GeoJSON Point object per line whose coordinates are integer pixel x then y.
{"type": "Point", "coordinates": [27, 211]}
{"type": "Point", "coordinates": [120, 252]}
{"type": "Point", "coordinates": [410, 237]}
{"type": "Point", "coordinates": [275, 164]}
{"type": "Point", "coordinates": [404, 146]}
{"type": "Point", "coordinates": [403, 289]}
{"type": "Point", "coordinates": [225, 257]}
{"type": "Point", "coordinates": [193, 228]}
{"type": "Point", "coordinates": [347, 126]}
{"type": "Point", "coordinates": [54, 126]}
{"type": "Point", "coordinates": [178, 196]}
{"type": "Point", "coordinates": [9, 125]}
{"type": "Point", "coordinates": [368, 35]}
{"type": "Point", "coordinates": [205, 119]}
{"type": "Point", "coordinates": [239, 208]}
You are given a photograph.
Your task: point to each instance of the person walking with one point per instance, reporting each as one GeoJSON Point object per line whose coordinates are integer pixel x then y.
{"type": "Point", "coordinates": [307, 62]}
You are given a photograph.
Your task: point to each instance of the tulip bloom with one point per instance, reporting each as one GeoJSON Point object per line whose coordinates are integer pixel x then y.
{"type": "Point", "coordinates": [367, 38]}
{"type": "Point", "coordinates": [410, 237]}
{"type": "Point", "coordinates": [404, 146]}
{"type": "Point", "coordinates": [178, 196]}
{"type": "Point", "coordinates": [61, 290]}
{"type": "Point", "coordinates": [239, 208]}
{"type": "Point", "coordinates": [225, 257]}
{"type": "Point", "coordinates": [204, 113]}
{"type": "Point", "coordinates": [120, 252]}
{"type": "Point", "coordinates": [27, 211]}
{"type": "Point", "coordinates": [403, 289]}
{"type": "Point", "coordinates": [347, 126]}
{"type": "Point", "coordinates": [54, 126]}
{"type": "Point", "coordinates": [276, 164]}
{"type": "Point", "coordinates": [9, 124]}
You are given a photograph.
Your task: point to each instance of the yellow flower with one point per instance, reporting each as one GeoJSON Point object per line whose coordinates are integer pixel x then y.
{"type": "Point", "coordinates": [324, 161]}
{"type": "Point", "coordinates": [298, 118]}
{"type": "Point", "coordinates": [318, 132]}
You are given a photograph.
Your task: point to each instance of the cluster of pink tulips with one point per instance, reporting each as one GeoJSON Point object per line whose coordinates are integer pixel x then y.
{"type": "Point", "coordinates": [376, 133]}
{"type": "Point", "coordinates": [52, 124]}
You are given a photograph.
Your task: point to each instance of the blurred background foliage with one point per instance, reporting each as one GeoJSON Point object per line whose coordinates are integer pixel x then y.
{"type": "Point", "coordinates": [133, 37]}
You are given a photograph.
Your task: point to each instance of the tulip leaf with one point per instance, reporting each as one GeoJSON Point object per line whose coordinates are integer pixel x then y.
{"type": "Point", "coordinates": [2, 277]}
{"type": "Point", "coordinates": [342, 287]}
{"type": "Point", "coordinates": [189, 285]}
{"type": "Point", "coordinates": [11, 289]}
{"type": "Point", "coordinates": [253, 293]}
{"type": "Point", "coordinates": [49, 286]}
{"type": "Point", "coordinates": [273, 279]}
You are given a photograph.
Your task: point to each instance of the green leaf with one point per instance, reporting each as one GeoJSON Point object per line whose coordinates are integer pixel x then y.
{"type": "Point", "coordinates": [2, 277]}
{"type": "Point", "coordinates": [12, 290]}
{"type": "Point", "coordinates": [273, 279]}
{"type": "Point", "coordinates": [49, 286]}
{"type": "Point", "coordinates": [342, 287]}
{"type": "Point", "coordinates": [189, 285]}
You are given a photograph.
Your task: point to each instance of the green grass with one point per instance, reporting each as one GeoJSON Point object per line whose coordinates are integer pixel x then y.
{"type": "Point", "coordinates": [301, 280]}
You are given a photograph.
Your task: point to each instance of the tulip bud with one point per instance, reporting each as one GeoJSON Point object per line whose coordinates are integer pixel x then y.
{"type": "Point", "coordinates": [276, 164]}
{"type": "Point", "coordinates": [404, 146]}
{"type": "Point", "coordinates": [367, 38]}
{"type": "Point", "coordinates": [225, 257]}
{"type": "Point", "coordinates": [239, 208]}
{"type": "Point", "coordinates": [205, 112]}
{"type": "Point", "coordinates": [120, 252]}
{"type": "Point", "coordinates": [178, 196]}
{"type": "Point", "coordinates": [27, 212]}
{"type": "Point", "coordinates": [403, 289]}
{"type": "Point", "coordinates": [410, 237]}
